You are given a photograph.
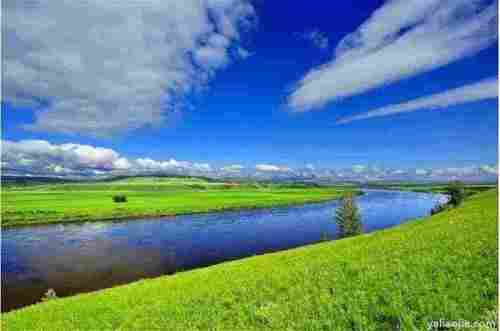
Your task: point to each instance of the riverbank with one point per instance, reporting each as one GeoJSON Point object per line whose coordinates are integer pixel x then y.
{"type": "Point", "coordinates": [440, 267]}
{"type": "Point", "coordinates": [470, 189]}
{"type": "Point", "coordinates": [62, 203]}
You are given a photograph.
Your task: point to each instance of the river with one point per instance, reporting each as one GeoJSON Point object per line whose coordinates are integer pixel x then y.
{"type": "Point", "coordinates": [82, 257]}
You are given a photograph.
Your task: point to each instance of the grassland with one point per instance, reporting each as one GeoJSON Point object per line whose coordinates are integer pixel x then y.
{"type": "Point", "coordinates": [470, 189]}
{"type": "Point", "coordinates": [440, 267]}
{"type": "Point", "coordinates": [69, 202]}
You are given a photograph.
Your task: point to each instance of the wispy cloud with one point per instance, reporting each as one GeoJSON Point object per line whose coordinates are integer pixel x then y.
{"type": "Point", "coordinates": [233, 168]}
{"type": "Point", "coordinates": [485, 89]}
{"type": "Point", "coordinates": [100, 68]}
{"type": "Point", "coordinates": [271, 168]}
{"type": "Point", "coordinates": [316, 38]}
{"type": "Point", "coordinates": [401, 39]}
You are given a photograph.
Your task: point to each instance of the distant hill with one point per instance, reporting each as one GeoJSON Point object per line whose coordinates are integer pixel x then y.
{"type": "Point", "coordinates": [41, 180]}
{"type": "Point", "coordinates": [34, 180]}
{"type": "Point", "coordinates": [153, 176]}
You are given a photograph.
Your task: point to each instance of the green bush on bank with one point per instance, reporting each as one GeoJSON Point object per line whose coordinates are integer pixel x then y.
{"type": "Point", "coordinates": [348, 218]}
{"type": "Point", "coordinates": [119, 198]}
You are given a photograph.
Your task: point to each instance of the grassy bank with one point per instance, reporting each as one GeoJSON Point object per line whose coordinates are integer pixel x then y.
{"type": "Point", "coordinates": [470, 189]}
{"type": "Point", "coordinates": [24, 205]}
{"type": "Point", "coordinates": [441, 267]}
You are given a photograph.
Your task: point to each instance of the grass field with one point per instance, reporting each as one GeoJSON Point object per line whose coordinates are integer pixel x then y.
{"type": "Point", "coordinates": [470, 189]}
{"type": "Point", "coordinates": [22, 205]}
{"type": "Point", "coordinates": [440, 267]}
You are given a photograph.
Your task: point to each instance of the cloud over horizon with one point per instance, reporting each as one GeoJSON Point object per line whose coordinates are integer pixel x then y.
{"type": "Point", "coordinates": [271, 168]}
{"type": "Point", "coordinates": [482, 90]}
{"type": "Point", "coordinates": [99, 68]}
{"type": "Point", "coordinates": [42, 158]}
{"type": "Point", "coordinates": [403, 38]}
{"type": "Point", "coordinates": [233, 168]}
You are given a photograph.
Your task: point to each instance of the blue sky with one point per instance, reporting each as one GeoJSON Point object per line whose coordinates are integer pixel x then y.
{"type": "Point", "coordinates": [267, 88]}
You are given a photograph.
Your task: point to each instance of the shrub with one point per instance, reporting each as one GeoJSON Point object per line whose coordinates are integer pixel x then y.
{"type": "Point", "coordinates": [439, 208]}
{"type": "Point", "coordinates": [198, 187]}
{"type": "Point", "coordinates": [119, 198]}
{"type": "Point", "coordinates": [348, 218]}
{"type": "Point", "coordinates": [456, 191]}
{"type": "Point", "coordinates": [49, 295]}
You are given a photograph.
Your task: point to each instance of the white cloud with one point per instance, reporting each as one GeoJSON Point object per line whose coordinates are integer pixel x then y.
{"type": "Point", "coordinates": [453, 171]}
{"type": "Point", "coordinates": [465, 172]}
{"type": "Point", "coordinates": [485, 89]}
{"type": "Point", "coordinates": [359, 168]}
{"type": "Point", "coordinates": [489, 169]}
{"type": "Point", "coordinates": [93, 157]}
{"type": "Point", "coordinates": [210, 57]}
{"type": "Point", "coordinates": [310, 167]}
{"type": "Point", "coordinates": [421, 172]}
{"type": "Point", "coordinates": [234, 168]}
{"type": "Point", "coordinates": [271, 168]}
{"type": "Point", "coordinates": [172, 165]}
{"type": "Point", "coordinates": [203, 167]}
{"type": "Point", "coordinates": [316, 38]}
{"type": "Point", "coordinates": [42, 157]}
{"type": "Point", "coordinates": [122, 164]}
{"type": "Point", "coordinates": [99, 67]}
{"type": "Point", "coordinates": [401, 39]}
{"type": "Point", "coordinates": [59, 169]}
{"type": "Point", "coordinates": [243, 53]}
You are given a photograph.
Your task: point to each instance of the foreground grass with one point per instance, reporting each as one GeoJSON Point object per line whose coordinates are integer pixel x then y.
{"type": "Point", "coordinates": [77, 202]}
{"type": "Point", "coordinates": [441, 267]}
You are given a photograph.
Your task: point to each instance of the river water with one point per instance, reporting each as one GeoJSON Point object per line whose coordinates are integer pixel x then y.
{"type": "Point", "coordinates": [75, 258]}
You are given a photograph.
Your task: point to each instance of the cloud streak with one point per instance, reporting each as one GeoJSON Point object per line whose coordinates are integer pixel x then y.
{"type": "Point", "coordinates": [271, 168]}
{"type": "Point", "coordinates": [98, 68]}
{"type": "Point", "coordinates": [401, 39]}
{"type": "Point", "coordinates": [485, 89]}
{"type": "Point", "coordinates": [233, 168]}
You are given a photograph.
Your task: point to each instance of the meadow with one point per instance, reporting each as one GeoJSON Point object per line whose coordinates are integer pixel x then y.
{"type": "Point", "coordinates": [440, 267]}
{"type": "Point", "coordinates": [470, 189]}
{"type": "Point", "coordinates": [147, 197]}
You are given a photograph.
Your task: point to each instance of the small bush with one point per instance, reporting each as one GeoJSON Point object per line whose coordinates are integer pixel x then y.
{"type": "Point", "coordinates": [119, 198]}
{"type": "Point", "coordinates": [439, 208]}
{"type": "Point", "coordinates": [456, 191]}
{"type": "Point", "coordinates": [348, 218]}
{"type": "Point", "coordinates": [228, 186]}
{"type": "Point", "coordinates": [49, 295]}
{"type": "Point", "coordinates": [198, 187]}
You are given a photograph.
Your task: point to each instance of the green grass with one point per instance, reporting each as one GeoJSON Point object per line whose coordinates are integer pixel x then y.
{"type": "Point", "coordinates": [470, 189]}
{"type": "Point", "coordinates": [145, 197]}
{"type": "Point", "coordinates": [440, 267]}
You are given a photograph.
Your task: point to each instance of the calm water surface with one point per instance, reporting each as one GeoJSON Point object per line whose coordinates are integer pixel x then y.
{"type": "Point", "coordinates": [74, 258]}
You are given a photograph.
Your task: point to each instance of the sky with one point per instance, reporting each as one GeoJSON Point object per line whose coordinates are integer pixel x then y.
{"type": "Point", "coordinates": [401, 89]}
